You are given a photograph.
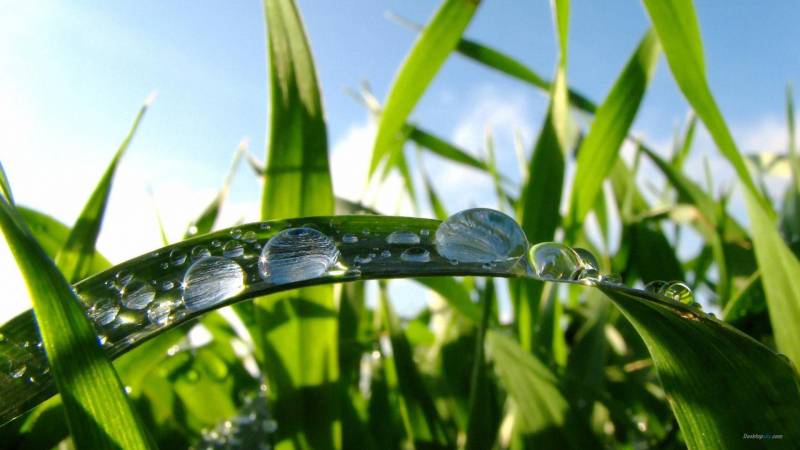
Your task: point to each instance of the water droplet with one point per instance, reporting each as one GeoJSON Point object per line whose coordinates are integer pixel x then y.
{"type": "Point", "coordinates": [415, 254]}
{"type": "Point", "coordinates": [164, 265]}
{"type": "Point", "coordinates": [264, 226]}
{"type": "Point", "coordinates": [250, 237]}
{"type": "Point", "coordinates": [216, 243]}
{"type": "Point", "coordinates": [232, 249]}
{"type": "Point", "coordinates": [236, 233]}
{"type": "Point", "coordinates": [159, 313]}
{"type": "Point", "coordinates": [210, 281]}
{"type": "Point", "coordinates": [297, 254]}
{"type": "Point", "coordinates": [166, 285]}
{"type": "Point", "coordinates": [177, 257]}
{"type": "Point", "coordinates": [104, 311]}
{"type": "Point", "coordinates": [200, 252]}
{"type": "Point", "coordinates": [123, 278]}
{"type": "Point", "coordinates": [554, 261]}
{"type": "Point", "coordinates": [424, 232]}
{"type": "Point", "coordinates": [386, 254]}
{"type": "Point", "coordinates": [349, 238]}
{"type": "Point", "coordinates": [611, 278]}
{"type": "Point", "coordinates": [677, 290]}
{"type": "Point", "coordinates": [403, 237]}
{"type": "Point", "coordinates": [362, 259]}
{"type": "Point", "coordinates": [481, 235]}
{"type": "Point", "coordinates": [137, 295]}
{"type": "Point", "coordinates": [655, 286]}
{"type": "Point", "coordinates": [19, 371]}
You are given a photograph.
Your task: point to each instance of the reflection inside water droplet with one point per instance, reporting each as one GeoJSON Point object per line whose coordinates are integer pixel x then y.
{"type": "Point", "coordinates": [210, 281]}
{"type": "Point", "coordinates": [554, 261]}
{"type": "Point", "coordinates": [297, 254]}
{"type": "Point", "coordinates": [104, 311]}
{"type": "Point", "coordinates": [481, 235]}
{"type": "Point", "coordinates": [137, 294]}
{"type": "Point", "coordinates": [232, 249]}
{"type": "Point", "coordinates": [402, 237]}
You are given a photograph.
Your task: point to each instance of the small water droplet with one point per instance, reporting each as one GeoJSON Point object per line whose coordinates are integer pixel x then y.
{"type": "Point", "coordinates": [249, 236]}
{"type": "Point", "coordinates": [386, 254]}
{"type": "Point", "coordinates": [264, 226]}
{"type": "Point", "coordinates": [554, 261]}
{"type": "Point", "coordinates": [216, 243]}
{"type": "Point", "coordinates": [159, 313]}
{"type": "Point", "coordinates": [177, 257]}
{"type": "Point", "coordinates": [612, 278]}
{"type": "Point", "coordinates": [590, 268]}
{"type": "Point", "coordinates": [655, 286]}
{"type": "Point", "coordinates": [164, 265]}
{"type": "Point", "coordinates": [415, 254]}
{"type": "Point", "coordinates": [200, 252]}
{"type": "Point", "coordinates": [137, 294]}
{"type": "Point", "coordinates": [18, 371]}
{"type": "Point", "coordinates": [104, 311]}
{"type": "Point", "coordinates": [232, 249]}
{"type": "Point", "coordinates": [349, 238]}
{"type": "Point", "coordinates": [424, 232]}
{"type": "Point", "coordinates": [123, 278]}
{"type": "Point", "coordinates": [236, 233]}
{"type": "Point", "coordinates": [402, 237]}
{"type": "Point", "coordinates": [210, 281]}
{"type": "Point", "coordinates": [362, 259]}
{"type": "Point", "coordinates": [166, 285]}
{"type": "Point", "coordinates": [481, 235]}
{"type": "Point", "coordinates": [679, 291]}
{"type": "Point", "coordinates": [297, 254]}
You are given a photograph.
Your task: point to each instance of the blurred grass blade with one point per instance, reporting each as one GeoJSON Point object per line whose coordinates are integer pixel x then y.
{"type": "Point", "coordinates": [600, 149]}
{"type": "Point", "coordinates": [542, 415]}
{"type": "Point", "coordinates": [98, 412]}
{"type": "Point", "coordinates": [75, 259]}
{"type": "Point", "coordinates": [712, 373]}
{"type": "Point", "coordinates": [444, 149]}
{"type": "Point", "coordinates": [679, 32]}
{"type": "Point", "coordinates": [436, 204]}
{"type": "Point", "coordinates": [205, 222]}
{"type": "Point", "coordinates": [5, 186]}
{"type": "Point", "coordinates": [298, 350]}
{"type": "Point", "coordinates": [421, 65]}
{"type": "Point", "coordinates": [679, 158]}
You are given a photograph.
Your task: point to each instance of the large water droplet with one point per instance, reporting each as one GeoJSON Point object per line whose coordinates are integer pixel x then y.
{"type": "Point", "coordinates": [210, 281]}
{"type": "Point", "coordinates": [104, 311]}
{"type": "Point", "coordinates": [481, 235]}
{"type": "Point", "coordinates": [402, 237]}
{"type": "Point", "coordinates": [137, 294]}
{"type": "Point", "coordinates": [415, 254]}
{"type": "Point", "coordinates": [297, 254]}
{"type": "Point", "coordinates": [554, 261]}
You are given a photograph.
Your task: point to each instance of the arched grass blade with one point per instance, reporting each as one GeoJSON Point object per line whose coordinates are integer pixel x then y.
{"type": "Point", "coordinates": [98, 412]}
{"type": "Point", "coordinates": [720, 383]}
{"type": "Point", "coordinates": [75, 259]}
{"type": "Point", "coordinates": [430, 51]}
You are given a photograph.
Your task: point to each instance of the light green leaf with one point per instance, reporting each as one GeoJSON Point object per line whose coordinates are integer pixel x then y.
{"type": "Point", "coordinates": [75, 259]}
{"type": "Point", "coordinates": [98, 412]}
{"type": "Point", "coordinates": [600, 149]}
{"type": "Point", "coordinates": [430, 51]}
{"type": "Point", "coordinates": [5, 186]}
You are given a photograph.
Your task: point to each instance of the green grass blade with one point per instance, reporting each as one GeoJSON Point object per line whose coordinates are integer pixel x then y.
{"type": "Point", "coordinates": [98, 412]}
{"type": "Point", "coordinates": [205, 222]}
{"type": "Point", "coordinates": [298, 350]}
{"type": "Point", "coordinates": [719, 382]}
{"type": "Point", "coordinates": [427, 56]}
{"type": "Point", "coordinates": [75, 259]}
{"type": "Point", "coordinates": [444, 149]}
{"type": "Point", "coordinates": [600, 148]}
{"type": "Point", "coordinates": [5, 186]}
{"type": "Point", "coordinates": [679, 32]}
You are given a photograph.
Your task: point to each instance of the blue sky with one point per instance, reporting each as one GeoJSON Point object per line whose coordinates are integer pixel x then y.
{"type": "Point", "coordinates": [74, 74]}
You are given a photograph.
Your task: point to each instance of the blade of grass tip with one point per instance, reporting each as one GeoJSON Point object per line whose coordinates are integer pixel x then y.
{"type": "Point", "coordinates": [438, 208]}
{"type": "Point", "coordinates": [205, 222]}
{"type": "Point", "coordinates": [161, 231]}
{"type": "Point", "coordinates": [299, 357]}
{"type": "Point", "coordinates": [98, 412]}
{"type": "Point", "coordinates": [444, 149]}
{"type": "Point", "coordinates": [679, 158]}
{"type": "Point", "coordinates": [678, 29]}
{"type": "Point", "coordinates": [614, 118]}
{"type": "Point", "coordinates": [75, 259]}
{"type": "Point", "coordinates": [794, 160]}
{"type": "Point", "coordinates": [429, 53]}
{"type": "Point", "coordinates": [5, 186]}
{"type": "Point", "coordinates": [492, 166]}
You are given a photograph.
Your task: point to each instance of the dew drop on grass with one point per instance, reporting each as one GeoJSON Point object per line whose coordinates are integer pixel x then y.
{"type": "Point", "coordinates": [386, 254]}
{"type": "Point", "coordinates": [104, 311]}
{"type": "Point", "coordinates": [232, 249]}
{"type": "Point", "coordinates": [402, 237]}
{"type": "Point", "coordinates": [679, 291]}
{"type": "Point", "coordinates": [297, 254]}
{"type": "Point", "coordinates": [415, 254]}
{"type": "Point", "coordinates": [349, 238]}
{"type": "Point", "coordinates": [200, 252]}
{"type": "Point", "coordinates": [480, 235]}
{"type": "Point", "coordinates": [655, 286]}
{"type": "Point", "coordinates": [19, 371]}
{"type": "Point", "coordinates": [362, 259]}
{"type": "Point", "coordinates": [236, 233]}
{"type": "Point", "coordinates": [123, 278]}
{"type": "Point", "coordinates": [250, 237]}
{"type": "Point", "coordinates": [590, 268]}
{"type": "Point", "coordinates": [554, 261]}
{"type": "Point", "coordinates": [210, 281]}
{"type": "Point", "coordinates": [137, 294]}
{"type": "Point", "coordinates": [177, 257]}
{"type": "Point", "coordinates": [160, 313]}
